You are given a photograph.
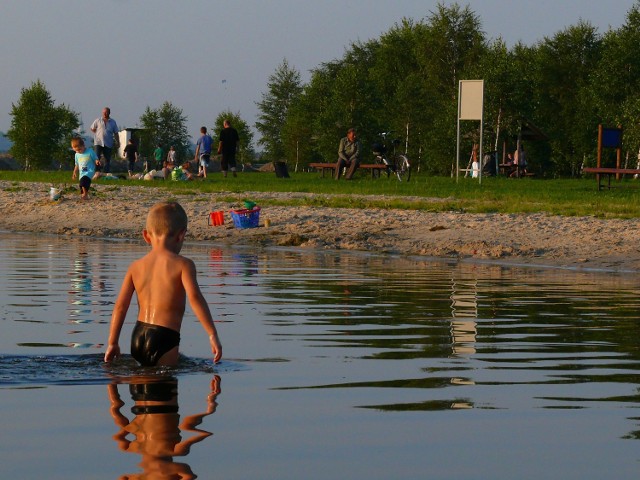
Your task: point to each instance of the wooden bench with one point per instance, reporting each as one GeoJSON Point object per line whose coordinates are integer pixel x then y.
{"type": "Point", "coordinates": [599, 171]}
{"type": "Point", "coordinates": [374, 168]}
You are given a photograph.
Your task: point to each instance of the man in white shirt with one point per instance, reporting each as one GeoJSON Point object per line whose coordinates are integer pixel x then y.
{"type": "Point", "coordinates": [105, 138]}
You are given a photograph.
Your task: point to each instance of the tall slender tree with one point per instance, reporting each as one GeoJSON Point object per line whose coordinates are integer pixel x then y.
{"type": "Point", "coordinates": [283, 88]}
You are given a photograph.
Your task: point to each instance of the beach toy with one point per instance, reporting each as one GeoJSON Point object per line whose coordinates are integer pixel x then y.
{"type": "Point", "coordinates": [216, 218]}
{"type": "Point", "coordinates": [246, 218]}
{"type": "Point", "coordinates": [177, 174]}
{"type": "Point", "coordinates": [249, 205]}
{"type": "Point", "coordinates": [54, 194]}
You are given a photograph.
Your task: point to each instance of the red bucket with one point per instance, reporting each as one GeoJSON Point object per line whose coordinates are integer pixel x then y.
{"type": "Point", "coordinates": [216, 218]}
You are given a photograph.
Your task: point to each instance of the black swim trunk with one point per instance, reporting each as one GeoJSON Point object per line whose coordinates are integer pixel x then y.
{"type": "Point", "coordinates": [150, 342]}
{"type": "Point", "coordinates": [165, 393]}
{"type": "Point", "coordinates": [85, 182]}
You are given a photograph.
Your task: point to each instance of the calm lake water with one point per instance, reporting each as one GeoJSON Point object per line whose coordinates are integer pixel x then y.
{"type": "Point", "coordinates": [336, 365]}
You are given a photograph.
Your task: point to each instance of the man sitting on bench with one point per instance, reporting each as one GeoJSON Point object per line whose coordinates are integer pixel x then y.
{"type": "Point", "coordinates": [348, 155]}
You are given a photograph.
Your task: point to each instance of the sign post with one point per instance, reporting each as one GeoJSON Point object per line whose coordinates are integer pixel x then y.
{"type": "Point", "coordinates": [470, 107]}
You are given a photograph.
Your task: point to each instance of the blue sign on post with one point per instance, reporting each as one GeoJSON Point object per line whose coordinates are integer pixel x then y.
{"type": "Point", "coordinates": [612, 137]}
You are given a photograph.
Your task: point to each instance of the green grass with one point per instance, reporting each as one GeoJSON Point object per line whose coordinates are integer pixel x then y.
{"type": "Point", "coordinates": [577, 197]}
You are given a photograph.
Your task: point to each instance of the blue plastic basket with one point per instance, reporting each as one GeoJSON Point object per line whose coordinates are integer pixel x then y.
{"type": "Point", "coordinates": [246, 218]}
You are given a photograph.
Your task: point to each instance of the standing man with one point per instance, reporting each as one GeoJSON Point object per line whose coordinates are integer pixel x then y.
{"type": "Point", "coordinates": [348, 155]}
{"type": "Point", "coordinates": [203, 151]}
{"type": "Point", "coordinates": [228, 146]}
{"type": "Point", "coordinates": [105, 132]}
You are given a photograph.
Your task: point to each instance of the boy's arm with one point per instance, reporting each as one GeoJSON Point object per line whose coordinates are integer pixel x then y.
{"type": "Point", "coordinates": [200, 307]}
{"type": "Point", "coordinates": [118, 316]}
{"type": "Point", "coordinates": [75, 172]}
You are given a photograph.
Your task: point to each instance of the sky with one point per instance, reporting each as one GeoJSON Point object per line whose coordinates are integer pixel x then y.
{"type": "Point", "coordinates": [208, 56]}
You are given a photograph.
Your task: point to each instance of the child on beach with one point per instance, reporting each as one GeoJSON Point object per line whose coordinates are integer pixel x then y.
{"type": "Point", "coordinates": [162, 281]}
{"type": "Point", "coordinates": [131, 155]}
{"type": "Point", "coordinates": [86, 161]}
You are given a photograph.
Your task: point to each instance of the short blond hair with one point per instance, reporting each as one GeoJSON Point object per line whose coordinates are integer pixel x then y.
{"type": "Point", "coordinates": [76, 142]}
{"type": "Point", "coordinates": [167, 218]}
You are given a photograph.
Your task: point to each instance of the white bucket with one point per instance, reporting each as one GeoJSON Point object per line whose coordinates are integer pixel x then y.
{"type": "Point", "coordinates": [54, 193]}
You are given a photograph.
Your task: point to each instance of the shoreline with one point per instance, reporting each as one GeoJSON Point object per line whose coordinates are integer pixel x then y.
{"type": "Point", "coordinates": [584, 243]}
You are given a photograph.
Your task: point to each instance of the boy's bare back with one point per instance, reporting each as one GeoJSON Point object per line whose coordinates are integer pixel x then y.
{"type": "Point", "coordinates": [159, 281]}
{"type": "Point", "coordinates": [162, 281]}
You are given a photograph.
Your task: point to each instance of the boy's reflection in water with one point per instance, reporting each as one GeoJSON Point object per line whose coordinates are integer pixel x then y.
{"type": "Point", "coordinates": [156, 427]}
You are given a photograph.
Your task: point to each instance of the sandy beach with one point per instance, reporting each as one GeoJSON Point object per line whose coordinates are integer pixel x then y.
{"type": "Point", "coordinates": [533, 239]}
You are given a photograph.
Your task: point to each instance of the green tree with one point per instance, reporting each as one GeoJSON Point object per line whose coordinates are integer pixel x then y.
{"type": "Point", "coordinates": [165, 125]}
{"type": "Point", "coordinates": [565, 64]}
{"type": "Point", "coordinates": [453, 43]}
{"type": "Point", "coordinates": [308, 130]}
{"type": "Point", "coordinates": [246, 152]}
{"type": "Point", "coordinates": [508, 93]}
{"type": "Point", "coordinates": [402, 96]}
{"type": "Point", "coordinates": [40, 130]}
{"type": "Point", "coordinates": [283, 88]}
{"type": "Point", "coordinates": [449, 49]}
{"type": "Point", "coordinates": [394, 83]}
{"type": "Point", "coordinates": [615, 81]}
{"type": "Point", "coordinates": [297, 136]}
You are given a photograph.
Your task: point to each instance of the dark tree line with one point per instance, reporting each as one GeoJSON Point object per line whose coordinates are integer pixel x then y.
{"type": "Point", "coordinates": [407, 81]}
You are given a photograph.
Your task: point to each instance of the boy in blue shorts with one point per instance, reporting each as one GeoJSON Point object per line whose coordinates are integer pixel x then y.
{"type": "Point", "coordinates": [86, 161]}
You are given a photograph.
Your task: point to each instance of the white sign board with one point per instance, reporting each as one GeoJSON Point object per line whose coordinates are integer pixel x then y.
{"type": "Point", "coordinates": [471, 99]}
{"type": "Point", "coordinates": [470, 107]}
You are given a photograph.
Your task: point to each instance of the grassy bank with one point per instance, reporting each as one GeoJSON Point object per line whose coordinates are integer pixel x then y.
{"type": "Point", "coordinates": [503, 195]}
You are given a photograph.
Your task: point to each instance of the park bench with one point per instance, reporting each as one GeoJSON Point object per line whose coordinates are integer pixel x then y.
{"type": "Point", "coordinates": [374, 168]}
{"type": "Point", "coordinates": [609, 172]}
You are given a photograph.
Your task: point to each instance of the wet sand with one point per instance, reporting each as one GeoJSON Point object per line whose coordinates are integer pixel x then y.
{"type": "Point", "coordinates": [535, 239]}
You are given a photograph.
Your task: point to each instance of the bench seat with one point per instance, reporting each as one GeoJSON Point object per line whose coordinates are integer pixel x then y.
{"type": "Point", "coordinates": [375, 168]}
{"type": "Point", "coordinates": [609, 171]}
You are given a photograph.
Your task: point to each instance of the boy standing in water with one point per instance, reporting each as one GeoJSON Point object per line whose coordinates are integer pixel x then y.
{"type": "Point", "coordinates": [85, 165]}
{"type": "Point", "coordinates": [162, 281]}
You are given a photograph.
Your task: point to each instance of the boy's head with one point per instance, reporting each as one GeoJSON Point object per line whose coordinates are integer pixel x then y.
{"type": "Point", "coordinates": [203, 130]}
{"type": "Point", "coordinates": [77, 144]}
{"type": "Point", "coordinates": [167, 218]}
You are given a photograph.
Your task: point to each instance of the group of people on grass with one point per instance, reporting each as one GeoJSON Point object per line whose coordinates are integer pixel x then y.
{"type": "Point", "coordinates": [93, 163]}
{"type": "Point", "coordinates": [90, 164]}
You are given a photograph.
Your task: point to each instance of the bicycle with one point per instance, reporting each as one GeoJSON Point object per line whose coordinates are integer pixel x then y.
{"type": "Point", "coordinates": [398, 164]}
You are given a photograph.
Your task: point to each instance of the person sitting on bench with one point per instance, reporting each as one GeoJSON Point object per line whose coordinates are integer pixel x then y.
{"type": "Point", "coordinates": [348, 155]}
